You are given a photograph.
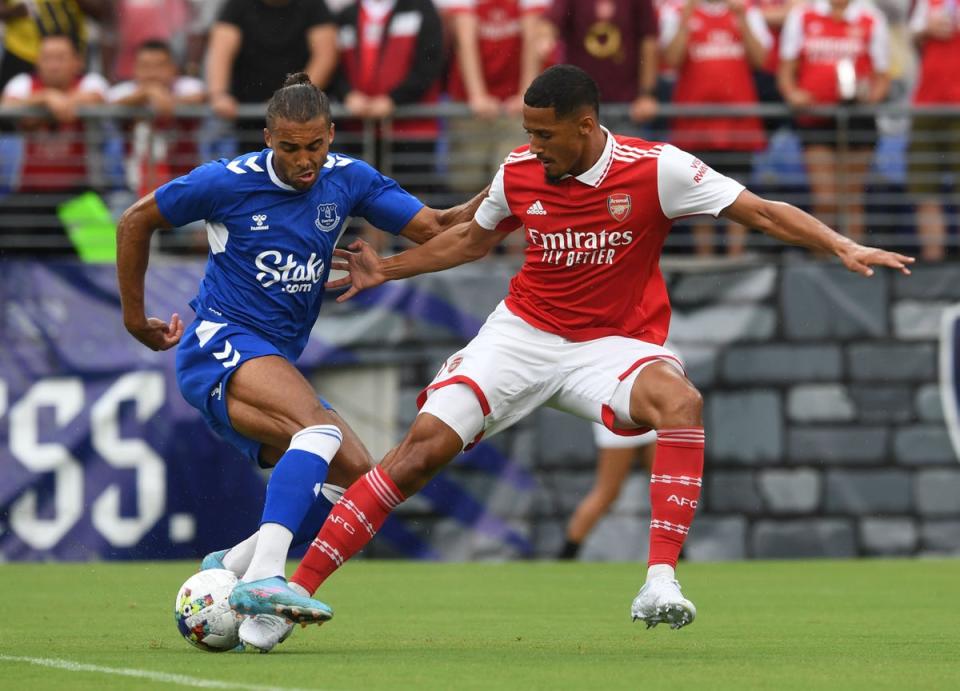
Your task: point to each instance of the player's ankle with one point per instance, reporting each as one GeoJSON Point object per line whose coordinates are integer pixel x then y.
{"type": "Point", "coordinates": [298, 589]}
{"type": "Point", "coordinates": [660, 571]}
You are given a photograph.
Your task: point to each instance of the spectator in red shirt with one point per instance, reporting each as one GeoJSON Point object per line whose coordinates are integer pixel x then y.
{"type": "Point", "coordinates": [163, 147]}
{"type": "Point", "coordinates": [55, 156]}
{"type": "Point", "coordinates": [935, 142]}
{"type": "Point", "coordinates": [715, 44]}
{"type": "Point", "coordinates": [826, 48]}
{"type": "Point", "coordinates": [495, 61]}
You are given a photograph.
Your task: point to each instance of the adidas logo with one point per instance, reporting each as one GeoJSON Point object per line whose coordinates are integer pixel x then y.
{"type": "Point", "coordinates": [536, 209]}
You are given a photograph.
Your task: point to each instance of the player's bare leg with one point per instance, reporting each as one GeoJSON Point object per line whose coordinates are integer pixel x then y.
{"type": "Point", "coordinates": [667, 401]}
{"type": "Point", "coordinates": [429, 446]}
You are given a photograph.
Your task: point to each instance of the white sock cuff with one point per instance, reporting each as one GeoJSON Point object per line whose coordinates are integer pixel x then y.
{"type": "Point", "coordinates": [322, 440]}
{"type": "Point", "coordinates": [332, 493]}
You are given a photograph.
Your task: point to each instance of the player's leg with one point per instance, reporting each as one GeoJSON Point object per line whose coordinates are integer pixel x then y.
{"type": "Point", "coordinates": [615, 457]}
{"type": "Point", "coordinates": [662, 397]}
{"type": "Point", "coordinates": [430, 444]}
{"type": "Point", "coordinates": [351, 462]}
{"type": "Point", "coordinates": [270, 401]}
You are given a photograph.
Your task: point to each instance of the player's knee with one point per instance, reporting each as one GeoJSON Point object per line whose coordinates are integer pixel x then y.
{"type": "Point", "coordinates": [682, 408]}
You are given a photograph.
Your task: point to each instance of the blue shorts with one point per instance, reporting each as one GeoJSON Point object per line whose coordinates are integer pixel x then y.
{"type": "Point", "coordinates": [208, 355]}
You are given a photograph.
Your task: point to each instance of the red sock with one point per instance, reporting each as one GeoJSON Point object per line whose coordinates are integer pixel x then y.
{"type": "Point", "coordinates": [352, 523]}
{"type": "Point", "coordinates": [674, 491]}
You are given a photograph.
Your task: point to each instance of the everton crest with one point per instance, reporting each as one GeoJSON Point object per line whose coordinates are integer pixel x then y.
{"type": "Point", "coordinates": [327, 217]}
{"type": "Point", "coordinates": [619, 205]}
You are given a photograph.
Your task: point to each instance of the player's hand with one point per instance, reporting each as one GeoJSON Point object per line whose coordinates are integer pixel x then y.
{"type": "Point", "coordinates": [799, 98]}
{"type": "Point", "coordinates": [860, 259]}
{"type": "Point", "coordinates": [157, 334]}
{"type": "Point", "coordinates": [362, 263]}
{"type": "Point", "coordinates": [643, 108]}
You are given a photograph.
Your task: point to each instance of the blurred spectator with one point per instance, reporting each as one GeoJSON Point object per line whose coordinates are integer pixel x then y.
{"type": "Point", "coordinates": [255, 44]}
{"type": "Point", "coordinates": [495, 61]}
{"type": "Point", "coordinates": [56, 156]}
{"type": "Point", "coordinates": [614, 41]}
{"type": "Point", "coordinates": [203, 15]}
{"type": "Point", "coordinates": [27, 21]}
{"type": "Point", "coordinates": [138, 21]}
{"type": "Point", "coordinates": [835, 52]}
{"type": "Point", "coordinates": [774, 14]}
{"type": "Point", "coordinates": [391, 54]}
{"type": "Point", "coordinates": [935, 142]}
{"type": "Point", "coordinates": [715, 44]}
{"type": "Point", "coordinates": [162, 147]}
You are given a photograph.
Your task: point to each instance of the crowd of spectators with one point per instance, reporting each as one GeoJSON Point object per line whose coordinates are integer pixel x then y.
{"type": "Point", "coordinates": [373, 56]}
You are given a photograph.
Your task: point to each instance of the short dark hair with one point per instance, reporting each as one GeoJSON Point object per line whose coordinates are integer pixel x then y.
{"type": "Point", "coordinates": [157, 44]}
{"type": "Point", "coordinates": [564, 88]}
{"type": "Point", "coordinates": [298, 100]}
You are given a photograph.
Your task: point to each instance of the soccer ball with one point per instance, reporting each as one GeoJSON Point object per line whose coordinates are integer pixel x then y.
{"type": "Point", "coordinates": [203, 614]}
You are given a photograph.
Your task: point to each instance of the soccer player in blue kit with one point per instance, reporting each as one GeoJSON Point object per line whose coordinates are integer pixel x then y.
{"type": "Point", "coordinates": [273, 218]}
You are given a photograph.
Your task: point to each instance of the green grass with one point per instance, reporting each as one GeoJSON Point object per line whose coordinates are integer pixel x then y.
{"type": "Point", "coordinates": [770, 625]}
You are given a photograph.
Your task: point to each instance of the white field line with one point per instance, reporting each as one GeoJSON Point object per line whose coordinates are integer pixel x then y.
{"type": "Point", "coordinates": [162, 677]}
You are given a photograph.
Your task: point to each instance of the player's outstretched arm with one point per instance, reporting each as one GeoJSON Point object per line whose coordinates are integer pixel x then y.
{"type": "Point", "coordinates": [796, 227]}
{"type": "Point", "coordinates": [461, 244]}
{"type": "Point", "coordinates": [429, 222]}
{"type": "Point", "coordinates": [134, 230]}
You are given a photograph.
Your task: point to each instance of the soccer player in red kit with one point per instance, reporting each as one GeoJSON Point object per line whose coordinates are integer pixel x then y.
{"type": "Point", "coordinates": [584, 322]}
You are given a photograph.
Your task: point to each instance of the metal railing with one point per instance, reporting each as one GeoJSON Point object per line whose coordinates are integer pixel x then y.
{"type": "Point", "coordinates": [122, 151]}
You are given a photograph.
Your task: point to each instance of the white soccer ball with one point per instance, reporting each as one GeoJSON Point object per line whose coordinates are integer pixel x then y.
{"type": "Point", "coordinates": [203, 614]}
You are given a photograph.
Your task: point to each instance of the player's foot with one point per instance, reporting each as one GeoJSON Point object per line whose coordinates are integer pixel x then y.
{"type": "Point", "coordinates": [265, 631]}
{"type": "Point", "coordinates": [214, 560]}
{"type": "Point", "coordinates": [660, 602]}
{"type": "Point", "coordinates": [274, 596]}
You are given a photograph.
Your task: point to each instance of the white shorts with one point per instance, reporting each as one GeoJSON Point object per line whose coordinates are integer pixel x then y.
{"type": "Point", "coordinates": [513, 368]}
{"type": "Point", "coordinates": [605, 439]}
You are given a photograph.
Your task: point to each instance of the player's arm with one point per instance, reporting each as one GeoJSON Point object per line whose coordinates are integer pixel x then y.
{"type": "Point", "coordinates": [789, 224]}
{"type": "Point", "coordinates": [134, 231]}
{"type": "Point", "coordinates": [430, 222]}
{"type": "Point", "coordinates": [461, 244]}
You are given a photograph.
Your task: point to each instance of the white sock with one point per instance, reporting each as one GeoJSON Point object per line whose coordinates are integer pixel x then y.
{"type": "Point", "coordinates": [299, 589]}
{"type": "Point", "coordinates": [238, 557]}
{"type": "Point", "coordinates": [660, 571]}
{"type": "Point", "coordinates": [270, 555]}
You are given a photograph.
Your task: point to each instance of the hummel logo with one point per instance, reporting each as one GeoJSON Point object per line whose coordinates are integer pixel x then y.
{"type": "Point", "coordinates": [536, 209]}
{"type": "Point", "coordinates": [259, 219]}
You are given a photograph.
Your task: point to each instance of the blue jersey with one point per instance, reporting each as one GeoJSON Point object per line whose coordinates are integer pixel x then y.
{"type": "Point", "coordinates": [271, 245]}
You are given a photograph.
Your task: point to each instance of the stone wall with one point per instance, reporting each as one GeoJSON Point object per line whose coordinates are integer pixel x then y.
{"type": "Point", "coordinates": [825, 432]}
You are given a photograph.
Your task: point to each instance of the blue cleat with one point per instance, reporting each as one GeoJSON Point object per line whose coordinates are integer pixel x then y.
{"type": "Point", "coordinates": [214, 560]}
{"type": "Point", "coordinates": [274, 596]}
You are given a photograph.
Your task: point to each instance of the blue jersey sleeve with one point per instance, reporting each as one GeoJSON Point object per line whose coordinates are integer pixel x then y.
{"type": "Point", "coordinates": [194, 196]}
{"type": "Point", "coordinates": [381, 200]}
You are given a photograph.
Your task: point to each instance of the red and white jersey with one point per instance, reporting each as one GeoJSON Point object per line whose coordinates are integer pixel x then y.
{"type": "Point", "coordinates": [818, 41]}
{"type": "Point", "coordinates": [500, 40]}
{"type": "Point", "coordinates": [593, 241]}
{"type": "Point", "coordinates": [715, 69]}
{"type": "Point", "coordinates": [939, 58]}
{"type": "Point", "coordinates": [55, 154]}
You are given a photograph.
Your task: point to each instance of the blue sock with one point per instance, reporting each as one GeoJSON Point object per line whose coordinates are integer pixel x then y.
{"type": "Point", "coordinates": [295, 483]}
{"type": "Point", "coordinates": [317, 514]}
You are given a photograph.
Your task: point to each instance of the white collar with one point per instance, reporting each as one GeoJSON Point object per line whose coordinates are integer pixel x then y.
{"type": "Point", "coordinates": [598, 171]}
{"type": "Point", "coordinates": [274, 178]}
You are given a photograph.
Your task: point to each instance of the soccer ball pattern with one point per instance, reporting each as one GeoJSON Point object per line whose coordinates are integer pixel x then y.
{"type": "Point", "coordinates": [202, 613]}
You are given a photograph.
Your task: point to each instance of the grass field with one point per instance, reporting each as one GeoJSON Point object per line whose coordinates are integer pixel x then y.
{"type": "Point", "coordinates": [770, 625]}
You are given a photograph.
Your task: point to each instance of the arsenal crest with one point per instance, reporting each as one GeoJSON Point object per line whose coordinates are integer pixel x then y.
{"type": "Point", "coordinates": [619, 206]}
{"type": "Point", "coordinates": [454, 362]}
